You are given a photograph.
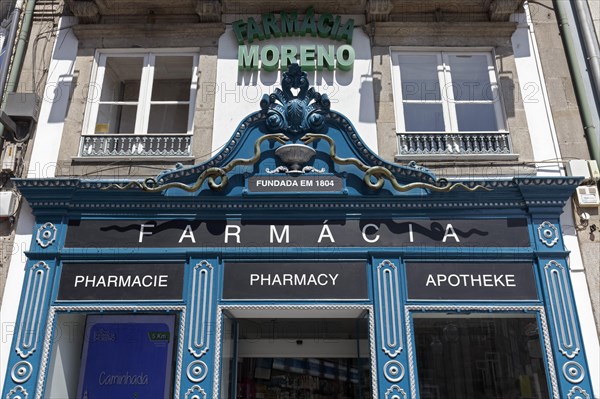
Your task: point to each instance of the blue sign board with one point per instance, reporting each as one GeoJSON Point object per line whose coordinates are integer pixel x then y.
{"type": "Point", "coordinates": [127, 357]}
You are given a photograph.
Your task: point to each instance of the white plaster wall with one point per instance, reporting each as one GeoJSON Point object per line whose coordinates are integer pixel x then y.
{"type": "Point", "coordinates": [55, 103]}
{"type": "Point", "coordinates": [238, 94]}
{"type": "Point", "coordinates": [43, 164]}
{"type": "Point", "coordinates": [14, 283]}
{"type": "Point", "coordinates": [543, 134]}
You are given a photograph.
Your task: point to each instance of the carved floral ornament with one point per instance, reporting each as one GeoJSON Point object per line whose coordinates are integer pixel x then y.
{"type": "Point", "coordinates": [548, 234]}
{"type": "Point", "coordinates": [46, 235]}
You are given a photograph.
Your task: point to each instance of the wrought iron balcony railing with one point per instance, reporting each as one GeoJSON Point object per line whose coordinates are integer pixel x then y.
{"type": "Point", "coordinates": [136, 145]}
{"type": "Point", "coordinates": [426, 144]}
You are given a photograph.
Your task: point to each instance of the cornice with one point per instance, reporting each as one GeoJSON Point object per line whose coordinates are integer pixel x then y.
{"type": "Point", "coordinates": [102, 35]}
{"type": "Point", "coordinates": [386, 33]}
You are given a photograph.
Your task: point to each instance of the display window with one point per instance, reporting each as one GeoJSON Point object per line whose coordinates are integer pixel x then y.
{"type": "Point", "coordinates": [479, 355]}
{"type": "Point", "coordinates": [114, 356]}
{"type": "Point", "coordinates": [301, 358]}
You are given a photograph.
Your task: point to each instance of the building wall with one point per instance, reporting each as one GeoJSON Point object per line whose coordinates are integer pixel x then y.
{"type": "Point", "coordinates": [595, 9]}
{"type": "Point", "coordinates": [526, 107]}
{"type": "Point", "coordinates": [569, 129]}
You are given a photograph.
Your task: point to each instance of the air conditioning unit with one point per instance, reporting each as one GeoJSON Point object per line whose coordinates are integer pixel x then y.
{"type": "Point", "coordinates": [8, 203]}
{"type": "Point", "coordinates": [587, 169]}
{"type": "Point", "coordinates": [587, 196]}
{"type": "Point", "coordinates": [10, 158]}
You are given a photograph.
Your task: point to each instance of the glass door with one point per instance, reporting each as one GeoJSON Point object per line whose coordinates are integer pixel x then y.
{"type": "Point", "coordinates": [296, 358]}
{"type": "Point", "coordinates": [229, 366]}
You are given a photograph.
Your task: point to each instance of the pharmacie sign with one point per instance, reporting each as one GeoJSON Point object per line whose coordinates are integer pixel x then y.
{"type": "Point", "coordinates": [120, 281]}
{"type": "Point", "coordinates": [329, 233]}
{"type": "Point", "coordinates": [271, 57]}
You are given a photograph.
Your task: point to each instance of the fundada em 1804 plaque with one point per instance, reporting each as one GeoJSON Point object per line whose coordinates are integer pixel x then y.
{"type": "Point", "coordinates": [267, 281]}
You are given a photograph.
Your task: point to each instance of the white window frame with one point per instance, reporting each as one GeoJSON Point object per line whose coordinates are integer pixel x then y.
{"type": "Point", "coordinates": [445, 81]}
{"type": "Point", "coordinates": [144, 96]}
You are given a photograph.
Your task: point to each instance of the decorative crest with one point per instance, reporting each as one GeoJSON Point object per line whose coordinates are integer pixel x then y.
{"type": "Point", "coordinates": [295, 113]}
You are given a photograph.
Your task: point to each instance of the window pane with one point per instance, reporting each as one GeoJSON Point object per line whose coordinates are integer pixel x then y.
{"type": "Point", "coordinates": [171, 118]}
{"type": "Point", "coordinates": [423, 118]}
{"type": "Point", "coordinates": [476, 117]}
{"type": "Point", "coordinates": [116, 118]}
{"type": "Point", "coordinates": [476, 358]}
{"type": "Point", "coordinates": [470, 78]}
{"type": "Point", "coordinates": [419, 77]}
{"type": "Point", "coordinates": [122, 77]}
{"type": "Point", "coordinates": [172, 78]}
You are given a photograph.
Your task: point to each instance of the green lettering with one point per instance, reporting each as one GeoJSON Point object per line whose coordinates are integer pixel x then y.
{"type": "Point", "coordinates": [239, 28]}
{"type": "Point", "coordinates": [289, 24]}
{"type": "Point", "coordinates": [309, 24]}
{"type": "Point", "coordinates": [269, 58]}
{"type": "Point", "coordinates": [270, 25]}
{"type": "Point", "coordinates": [247, 57]}
{"type": "Point", "coordinates": [345, 57]}
{"type": "Point", "coordinates": [345, 32]}
{"type": "Point", "coordinates": [335, 27]}
{"type": "Point", "coordinates": [325, 57]}
{"type": "Point", "coordinates": [288, 55]}
{"type": "Point", "coordinates": [324, 25]}
{"type": "Point", "coordinates": [307, 58]}
{"type": "Point", "coordinates": [254, 31]}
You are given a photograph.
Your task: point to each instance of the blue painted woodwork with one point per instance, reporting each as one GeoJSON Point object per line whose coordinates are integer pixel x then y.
{"type": "Point", "coordinates": [56, 201]}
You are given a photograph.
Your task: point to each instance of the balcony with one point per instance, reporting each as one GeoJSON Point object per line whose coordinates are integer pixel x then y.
{"type": "Point", "coordinates": [454, 146]}
{"type": "Point", "coordinates": [135, 145]}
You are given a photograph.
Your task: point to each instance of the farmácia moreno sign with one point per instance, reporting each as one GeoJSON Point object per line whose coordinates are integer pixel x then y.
{"type": "Point", "coordinates": [310, 57]}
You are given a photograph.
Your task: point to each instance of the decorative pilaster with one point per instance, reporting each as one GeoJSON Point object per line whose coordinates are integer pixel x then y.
{"type": "Point", "coordinates": [565, 332]}
{"type": "Point", "coordinates": [200, 343]}
{"type": "Point", "coordinates": [390, 334]}
{"type": "Point", "coordinates": [24, 360]}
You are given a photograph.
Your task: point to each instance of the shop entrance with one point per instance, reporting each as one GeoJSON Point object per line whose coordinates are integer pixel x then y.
{"type": "Point", "coordinates": [292, 356]}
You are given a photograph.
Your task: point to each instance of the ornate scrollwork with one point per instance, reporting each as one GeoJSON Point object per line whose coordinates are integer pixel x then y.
{"type": "Point", "coordinates": [195, 392]}
{"type": "Point", "coordinates": [17, 392]}
{"type": "Point", "coordinates": [395, 392]}
{"type": "Point", "coordinates": [197, 371]}
{"type": "Point", "coordinates": [578, 393]}
{"type": "Point", "coordinates": [548, 234]}
{"type": "Point", "coordinates": [295, 113]}
{"type": "Point", "coordinates": [216, 177]}
{"type": "Point", "coordinates": [393, 371]}
{"type": "Point", "coordinates": [573, 372]}
{"type": "Point", "coordinates": [46, 235]}
{"type": "Point", "coordinates": [380, 174]}
{"type": "Point", "coordinates": [21, 371]}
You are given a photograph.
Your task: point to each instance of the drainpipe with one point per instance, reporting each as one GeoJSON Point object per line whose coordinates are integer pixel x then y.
{"type": "Point", "coordinates": [15, 17]}
{"type": "Point", "coordinates": [19, 52]}
{"type": "Point", "coordinates": [590, 44]}
{"type": "Point", "coordinates": [582, 100]}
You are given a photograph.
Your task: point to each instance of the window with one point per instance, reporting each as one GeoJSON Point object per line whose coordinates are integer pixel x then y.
{"type": "Point", "coordinates": [448, 102]}
{"type": "Point", "coordinates": [479, 356]}
{"type": "Point", "coordinates": [138, 93]}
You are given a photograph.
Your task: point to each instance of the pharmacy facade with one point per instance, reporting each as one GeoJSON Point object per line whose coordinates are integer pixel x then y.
{"type": "Point", "coordinates": [297, 262]}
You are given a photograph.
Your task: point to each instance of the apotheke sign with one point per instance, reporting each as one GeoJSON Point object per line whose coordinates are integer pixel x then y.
{"type": "Point", "coordinates": [471, 281]}
{"type": "Point", "coordinates": [310, 57]}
